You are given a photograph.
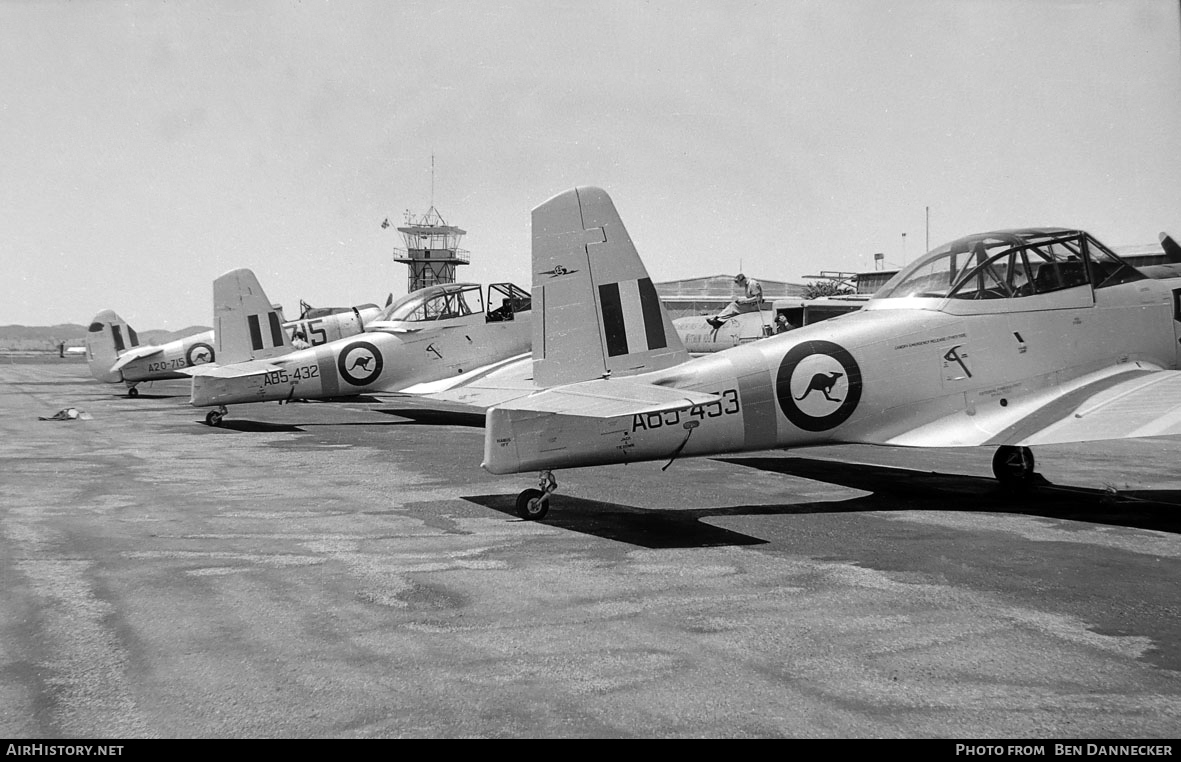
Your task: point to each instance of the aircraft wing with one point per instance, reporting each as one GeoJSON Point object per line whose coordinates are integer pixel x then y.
{"type": "Point", "coordinates": [483, 387]}
{"type": "Point", "coordinates": [237, 370]}
{"type": "Point", "coordinates": [136, 353]}
{"type": "Point", "coordinates": [515, 370]}
{"type": "Point", "coordinates": [1121, 402]}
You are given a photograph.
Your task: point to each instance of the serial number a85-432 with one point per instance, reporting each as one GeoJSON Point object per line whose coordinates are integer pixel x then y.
{"type": "Point", "coordinates": [289, 375]}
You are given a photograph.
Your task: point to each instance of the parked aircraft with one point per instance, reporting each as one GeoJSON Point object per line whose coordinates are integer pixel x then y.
{"type": "Point", "coordinates": [1005, 339]}
{"type": "Point", "coordinates": [779, 316]}
{"type": "Point", "coordinates": [115, 355]}
{"type": "Point", "coordinates": [446, 331]}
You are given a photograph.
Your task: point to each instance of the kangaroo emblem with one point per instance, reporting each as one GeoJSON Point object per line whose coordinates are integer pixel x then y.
{"type": "Point", "coordinates": [363, 362]}
{"type": "Point", "coordinates": [823, 383]}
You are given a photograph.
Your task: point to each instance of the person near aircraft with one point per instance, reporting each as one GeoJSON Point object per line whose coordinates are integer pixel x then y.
{"type": "Point", "coordinates": [749, 303]}
{"type": "Point", "coordinates": [503, 312]}
{"type": "Point", "coordinates": [299, 340]}
{"type": "Point", "coordinates": [781, 324]}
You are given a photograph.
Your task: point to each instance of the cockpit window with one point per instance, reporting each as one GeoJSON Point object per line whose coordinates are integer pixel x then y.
{"type": "Point", "coordinates": [1109, 270]}
{"type": "Point", "coordinates": [436, 303]}
{"type": "Point", "coordinates": [1010, 264]}
{"type": "Point", "coordinates": [505, 300]}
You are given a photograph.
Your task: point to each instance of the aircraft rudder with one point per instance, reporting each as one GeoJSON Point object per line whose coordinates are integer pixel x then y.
{"type": "Point", "coordinates": [107, 336]}
{"type": "Point", "coordinates": [600, 311]}
{"type": "Point", "coordinates": [247, 326]}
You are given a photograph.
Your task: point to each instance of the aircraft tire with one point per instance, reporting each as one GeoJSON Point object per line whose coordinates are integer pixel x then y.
{"type": "Point", "coordinates": [213, 418]}
{"type": "Point", "coordinates": [133, 392]}
{"type": "Point", "coordinates": [532, 504]}
{"type": "Point", "coordinates": [1013, 466]}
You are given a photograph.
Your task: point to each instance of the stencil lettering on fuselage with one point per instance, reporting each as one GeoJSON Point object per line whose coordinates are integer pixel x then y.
{"type": "Point", "coordinates": [199, 354]}
{"type": "Point", "coordinates": [359, 363]}
{"type": "Point", "coordinates": [818, 385]}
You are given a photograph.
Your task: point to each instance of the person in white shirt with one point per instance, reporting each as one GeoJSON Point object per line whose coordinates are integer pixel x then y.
{"type": "Point", "coordinates": [749, 303]}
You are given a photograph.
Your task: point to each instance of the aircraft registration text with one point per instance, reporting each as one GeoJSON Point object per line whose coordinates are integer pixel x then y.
{"type": "Point", "coordinates": [284, 376]}
{"type": "Point", "coordinates": [727, 406]}
{"type": "Point", "coordinates": [160, 365]}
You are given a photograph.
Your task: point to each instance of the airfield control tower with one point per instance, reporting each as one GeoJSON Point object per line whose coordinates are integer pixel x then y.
{"type": "Point", "coordinates": [432, 250]}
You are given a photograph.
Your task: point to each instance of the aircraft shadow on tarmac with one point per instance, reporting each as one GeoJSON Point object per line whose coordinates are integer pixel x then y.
{"type": "Point", "coordinates": [655, 529]}
{"type": "Point", "coordinates": [143, 396]}
{"type": "Point", "coordinates": [413, 416]}
{"type": "Point", "coordinates": [435, 417]}
{"type": "Point", "coordinates": [893, 489]}
{"type": "Point", "coordinates": [253, 426]}
{"type": "Point", "coordinates": [906, 489]}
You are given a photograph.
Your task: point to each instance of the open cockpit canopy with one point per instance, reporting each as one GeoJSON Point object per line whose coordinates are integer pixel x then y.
{"type": "Point", "coordinates": [452, 300]}
{"type": "Point", "coordinates": [1007, 264]}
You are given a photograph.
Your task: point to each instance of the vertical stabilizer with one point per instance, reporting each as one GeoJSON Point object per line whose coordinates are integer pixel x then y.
{"type": "Point", "coordinates": [245, 324]}
{"type": "Point", "coordinates": [599, 311]}
{"type": "Point", "coordinates": [107, 337]}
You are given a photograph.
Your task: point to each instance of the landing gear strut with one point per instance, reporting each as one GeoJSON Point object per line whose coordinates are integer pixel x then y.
{"type": "Point", "coordinates": [533, 504]}
{"type": "Point", "coordinates": [214, 417]}
{"type": "Point", "coordinates": [1013, 466]}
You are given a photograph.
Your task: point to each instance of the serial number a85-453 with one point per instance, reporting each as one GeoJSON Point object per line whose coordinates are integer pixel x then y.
{"type": "Point", "coordinates": [728, 405]}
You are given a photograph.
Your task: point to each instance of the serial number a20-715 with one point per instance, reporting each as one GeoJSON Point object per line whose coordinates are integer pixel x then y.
{"type": "Point", "coordinates": [159, 365]}
{"type": "Point", "coordinates": [728, 405]}
{"type": "Point", "coordinates": [288, 375]}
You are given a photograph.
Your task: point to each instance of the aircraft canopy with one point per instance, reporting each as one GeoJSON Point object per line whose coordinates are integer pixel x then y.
{"type": "Point", "coordinates": [444, 301]}
{"type": "Point", "coordinates": [1007, 264]}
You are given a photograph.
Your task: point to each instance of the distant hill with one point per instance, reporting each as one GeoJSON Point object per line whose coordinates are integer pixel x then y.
{"type": "Point", "coordinates": [34, 337]}
{"type": "Point", "coordinates": [61, 332]}
{"type": "Point", "coordinates": [159, 336]}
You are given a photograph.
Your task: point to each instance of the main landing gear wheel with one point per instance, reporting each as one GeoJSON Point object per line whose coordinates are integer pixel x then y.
{"type": "Point", "coordinates": [1013, 466]}
{"type": "Point", "coordinates": [214, 417]}
{"type": "Point", "coordinates": [133, 392]}
{"type": "Point", "coordinates": [533, 504]}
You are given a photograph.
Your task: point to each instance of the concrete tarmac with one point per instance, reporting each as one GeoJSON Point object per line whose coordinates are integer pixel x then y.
{"type": "Point", "coordinates": [346, 569]}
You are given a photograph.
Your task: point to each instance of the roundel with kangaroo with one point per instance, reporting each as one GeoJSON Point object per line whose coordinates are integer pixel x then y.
{"type": "Point", "coordinates": [818, 385]}
{"type": "Point", "coordinates": [199, 354]}
{"type": "Point", "coordinates": [359, 363]}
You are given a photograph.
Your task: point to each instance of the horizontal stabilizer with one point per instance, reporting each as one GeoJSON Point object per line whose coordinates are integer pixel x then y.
{"type": "Point", "coordinates": [609, 398]}
{"type": "Point", "coordinates": [135, 353]}
{"type": "Point", "coordinates": [237, 370]}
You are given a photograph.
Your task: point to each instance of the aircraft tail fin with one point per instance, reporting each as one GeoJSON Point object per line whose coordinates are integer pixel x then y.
{"type": "Point", "coordinates": [599, 311]}
{"type": "Point", "coordinates": [246, 325]}
{"type": "Point", "coordinates": [107, 337]}
{"type": "Point", "coordinates": [1172, 249]}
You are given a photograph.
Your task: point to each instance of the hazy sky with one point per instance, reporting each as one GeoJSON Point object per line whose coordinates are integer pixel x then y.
{"type": "Point", "coordinates": [148, 147]}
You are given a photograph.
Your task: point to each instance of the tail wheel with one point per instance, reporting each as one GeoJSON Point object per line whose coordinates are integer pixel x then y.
{"type": "Point", "coordinates": [133, 392]}
{"type": "Point", "coordinates": [532, 504]}
{"type": "Point", "coordinates": [1013, 466]}
{"type": "Point", "coordinates": [214, 418]}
